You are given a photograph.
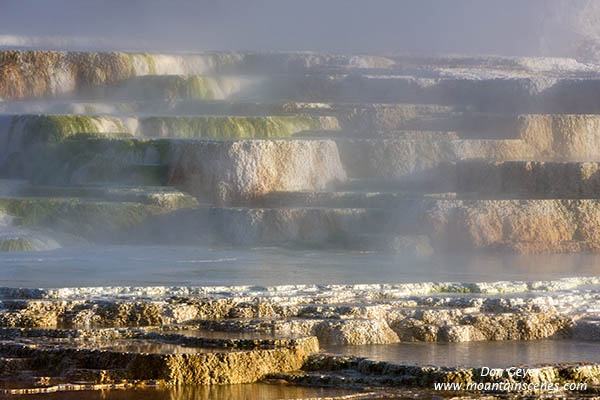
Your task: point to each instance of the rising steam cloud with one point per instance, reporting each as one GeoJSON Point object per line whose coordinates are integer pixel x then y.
{"type": "Point", "coordinates": [571, 28]}
{"type": "Point", "coordinates": [509, 27]}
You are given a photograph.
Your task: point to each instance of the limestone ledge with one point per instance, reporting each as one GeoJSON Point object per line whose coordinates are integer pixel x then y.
{"type": "Point", "coordinates": [95, 220]}
{"type": "Point", "coordinates": [562, 137]}
{"type": "Point", "coordinates": [323, 292]}
{"type": "Point", "coordinates": [514, 84]}
{"type": "Point", "coordinates": [483, 89]}
{"type": "Point", "coordinates": [199, 366]}
{"type": "Point", "coordinates": [556, 225]}
{"type": "Point", "coordinates": [360, 314]}
{"type": "Point", "coordinates": [18, 133]}
{"type": "Point", "coordinates": [518, 225]}
{"type": "Point", "coordinates": [230, 172]}
{"type": "Point", "coordinates": [34, 74]}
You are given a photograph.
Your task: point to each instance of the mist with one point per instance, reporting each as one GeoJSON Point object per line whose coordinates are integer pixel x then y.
{"type": "Point", "coordinates": [256, 199]}
{"type": "Point", "coordinates": [510, 27]}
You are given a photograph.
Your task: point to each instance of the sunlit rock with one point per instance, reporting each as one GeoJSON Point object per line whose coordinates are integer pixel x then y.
{"type": "Point", "coordinates": [523, 225]}
{"type": "Point", "coordinates": [354, 332]}
{"type": "Point", "coordinates": [35, 74]}
{"type": "Point", "coordinates": [110, 356]}
{"type": "Point", "coordinates": [563, 137]}
{"type": "Point", "coordinates": [230, 172]}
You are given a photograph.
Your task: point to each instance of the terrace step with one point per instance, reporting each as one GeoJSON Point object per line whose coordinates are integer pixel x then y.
{"type": "Point", "coordinates": [160, 107]}
{"type": "Point", "coordinates": [481, 179]}
{"type": "Point", "coordinates": [36, 219]}
{"type": "Point", "coordinates": [100, 360]}
{"type": "Point", "coordinates": [418, 160]}
{"type": "Point", "coordinates": [361, 196]}
{"type": "Point", "coordinates": [176, 87]}
{"type": "Point", "coordinates": [529, 179]}
{"type": "Point", "coordinates": [526, 93]}
{"type": "Point", "coordinates": [159, 195]}
{"type": "Point", "coordinates": [21, 239]}
{"type": "Point", "coordinates": [329, 227]}
{"type": "Point", "coordinates": [19, 131]}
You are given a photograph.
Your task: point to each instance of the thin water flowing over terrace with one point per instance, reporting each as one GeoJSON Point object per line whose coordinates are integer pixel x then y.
{"type": "Point", "coordinates": [475, 354]}
{"type": "Point", "coordinates": [271, 266]}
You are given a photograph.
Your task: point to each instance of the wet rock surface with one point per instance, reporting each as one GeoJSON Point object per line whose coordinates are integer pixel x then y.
{"type": "Point", "coordinates": [207, 335]}
{"type": "Point", "coordinates": [111, 358]}
{"type": "Point", "coordinates": [347, 314]}
{"type": "Point", "coordinates": [359, 372]}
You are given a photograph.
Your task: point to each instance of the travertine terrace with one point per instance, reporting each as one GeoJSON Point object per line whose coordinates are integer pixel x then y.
{"type": "Point", "coordinates": [403, 155]}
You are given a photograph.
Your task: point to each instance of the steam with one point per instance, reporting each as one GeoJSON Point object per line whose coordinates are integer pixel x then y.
{"type": "Point", "coordinates": [508, 27]}
{"type": "Point", "coordinates": [571, 28]}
